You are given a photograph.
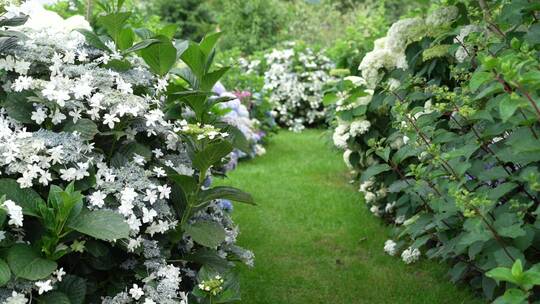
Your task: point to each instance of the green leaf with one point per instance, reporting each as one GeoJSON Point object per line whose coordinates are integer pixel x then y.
{"type": "Point", "coordinates": [114, 24]}
{"type": "Point", "coordinates": [144, 33]}
{"type": "Point", "coordinates": [118, 65]}
{"type": "Point", "coordinates": [5, 273]}
{"type": "Point", "coordinates": [211, 154]}
{"type": "Point", "coordinates": [168, 30]}
{"type": "Point", "coordinates": [85, 127]}
{"type": "Point", "coordinates": [27, 264]}
{"type": "Point", "coordinates": [160, 56]}
{"type": "Point", "coordinates": [18, 107]}
{"type": "Point", "coordinates": [478, 79]}
{"type": "Point", "coordinates": [501, 274]}
{"type": "Point", "coordinates": [373, 171]}
{"type": "Point", "coordinates": [125, 39]}
{"type": "Point", "coordinates": [329, 99]}
{"type": "Point", "coordinates": [491, 89]}
{"type": "Point", "coordinates": [206, 233]}
{"type": "Point", "coordinates": [513, 296]}
{"type": "Point", "coordinates": [508, 106]}
{"type": "Point", "coordinates": [533, 35]}
{"type": "Point", "coordinates": [210, 79]}
{"type": "Point", "coordinates": [195, 59]}
{"type": "Point", "coordinates": [501, 190]}
{"type": "Point", "coordinates": [141, 45]}
{"type": "Point", "coordinates": [101, 224]}
{"type": "Point", "coordinates": [54, 297]}
{"type": "Point", "coordinates": [209, 42]}
{"type": "Point", "coordinates": [225, 192]}
{"type": "Point", "coordinates": [517, 269]}
{"type": "Point", "coordinates": [93, 40]}
{"type": "Point", "coordinates": [74, 288]}
{"type": "Point", "coordinates": [27, 198]}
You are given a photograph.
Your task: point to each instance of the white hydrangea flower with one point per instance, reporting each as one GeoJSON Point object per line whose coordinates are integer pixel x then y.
{"type": "Point", "coordinates": [359, 127]}
{"type": "Point", "coordinates": [15, 213]}
{"type": "Point", "coordinates": [16, 298]}
{"type": "Point", "coordinates": [136, 292]}
{"type": "Point", "coordinates": [44, 286]}
{"type": "Point", "coordinates": [410, 255]}
{"type": "Point", "coordinates": [390, 247]}
{"type": "Point", "coordinates": [97, 199]}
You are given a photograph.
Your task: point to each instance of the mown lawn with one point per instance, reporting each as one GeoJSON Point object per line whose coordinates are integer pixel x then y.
{"type": "Point", "coordinates": [314, 240]}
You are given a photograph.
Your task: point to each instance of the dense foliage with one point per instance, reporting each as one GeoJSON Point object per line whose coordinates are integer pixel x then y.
{"type": "Point", "coordinates": [109, 145]}
{"type": "Point", "coordinates": [442, 130]}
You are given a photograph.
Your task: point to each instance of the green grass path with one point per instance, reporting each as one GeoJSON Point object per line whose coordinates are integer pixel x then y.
{"type": "Point", "coordinates": [314, 240]}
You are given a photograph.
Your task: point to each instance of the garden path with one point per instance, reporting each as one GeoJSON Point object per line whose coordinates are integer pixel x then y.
{"type": "Point", "coordinates": [314, 241]}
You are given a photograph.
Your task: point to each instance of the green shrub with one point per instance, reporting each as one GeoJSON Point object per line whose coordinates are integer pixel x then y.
{"type": "Point", "coordinates": [193, 17]}
{"type": "Point", "coordinates": [443, 131]}
{"type": "Point", "coordinates": [250, 25]}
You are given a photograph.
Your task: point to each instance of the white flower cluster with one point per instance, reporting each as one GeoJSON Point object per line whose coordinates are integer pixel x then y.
{"type": "Point", "coordinates": [389, 52]}
{"type": "Point", "coordinates": [410, 255]}
{"type": "Point", "coordinates": [345, 131]}
{"type": "Point", "coordinates": [294, 81]}
{"type": "Point", "coordinates": [15, 213]}
{"type": "Point", "coordinates": [390, 247]}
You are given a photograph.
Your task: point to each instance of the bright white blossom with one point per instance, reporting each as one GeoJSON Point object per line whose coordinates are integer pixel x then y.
{"type": "Point", "coordinates": [15, 213]}
{"type": "Point", "coordinates": [44, 286]}
{"type": "Point", "coordinates": [390, 247]}
{"type": "Point", "coordinates": [410, 255]}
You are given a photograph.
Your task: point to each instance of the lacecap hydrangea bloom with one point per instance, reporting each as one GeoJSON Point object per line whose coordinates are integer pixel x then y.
{"type": "Point", "coordinates": [294, 82]}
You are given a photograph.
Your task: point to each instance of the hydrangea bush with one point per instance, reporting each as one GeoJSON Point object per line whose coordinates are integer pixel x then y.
{"type": "Point", "coordinates": [442, 133]}
{"type": "Point", "coordinates": [246, 82]}
{"type": "Point", "coordinates": [235, 113]}
{"type": "Point", "coordinates": [294, 80]}
{"type": "Point", "coordinates": [108, 145]}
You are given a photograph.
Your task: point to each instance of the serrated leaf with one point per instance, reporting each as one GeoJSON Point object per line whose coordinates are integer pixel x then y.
{"type": "Point", "coordinates": [5, 273]}
{"type": "Point", "coordinates": [93, 40]}
{"type": "Point", "coordinates": [226, 192]}
{"type": "Point", "coordinates": [85, 127]}
{"type": "Point", "coordinates": [141, 45]}
{"type": "Point", "coordinates": [211, 154]}
{"type": "Point", "coordinates": [114, 24]}
{"type": "Point", "coordinates": [508, 106]}
{"type": "Point", "coordinates": [101, 224]}
{"type": "Point", "coordinates": [478, 79]}
{"type": "Point", "coordinates": [160, 56]}
{"type": "Point", "coordinates": [74, 288]}
{"type": "Point", "coordinates": [27, 264]}
{"type": "Point", "coordinates": [206, 233]}
{"type": "Point", "coordinates": [373, 171]}
{"type": "Point", "coordinates": [18, 107]}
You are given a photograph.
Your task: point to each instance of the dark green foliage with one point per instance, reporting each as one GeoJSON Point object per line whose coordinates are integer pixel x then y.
{"type": "Point", "coordinates": [193, 17]}
{"type": "Point", "coordinates": [250, 25]}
